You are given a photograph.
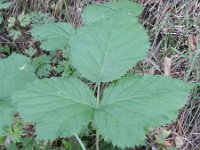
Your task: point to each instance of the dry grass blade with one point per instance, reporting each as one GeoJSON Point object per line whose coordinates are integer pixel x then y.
{"type": "Point", "coordinates": [167, 65]}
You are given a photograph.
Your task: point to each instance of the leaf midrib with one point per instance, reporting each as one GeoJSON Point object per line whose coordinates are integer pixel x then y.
{"type": "Point", "coordinates": [67, 98]}
{"type": "Point", "coordinates": [135, 97]}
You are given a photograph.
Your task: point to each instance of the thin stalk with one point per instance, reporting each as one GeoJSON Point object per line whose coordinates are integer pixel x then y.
{"type": "Point", "coordinates": [97, 140]}
{"type": "Point", "coordinates": [97, 106]}
{"type": "Point", "coordinates": [98, 95]}
{"type": "Point", "coordinates": [79, 141]}
{"type": "Point", "coordinates": [66, 69]}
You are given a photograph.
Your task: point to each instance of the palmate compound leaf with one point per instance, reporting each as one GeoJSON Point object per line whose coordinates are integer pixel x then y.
{"type": "Point", "coordinates": [60, 107]}
{"type": "Point", "coordinates": [15, 72]}
{"type": "Point", "coordinates": [53, 36]}
{"type": "Point", "coordinates": [136, 103]}
{"type": "Point", "coordinates": [95, 12]}
{"type": "Point", "coordinates": [106, 49]}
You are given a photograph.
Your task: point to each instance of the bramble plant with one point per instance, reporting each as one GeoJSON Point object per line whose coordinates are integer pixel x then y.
{"type": "Point", "coordinates": [109, 43]}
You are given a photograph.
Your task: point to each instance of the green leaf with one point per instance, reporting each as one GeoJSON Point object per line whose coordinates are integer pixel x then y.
{"type": "Point", "coordinates": [53, 36]}
{"type": "Point", "coordinates": [42, 65]}
{"type": "Point", "coordinates": [15, 34]}
{"type": "Point", "coordinates": [40, 18]}
{"type": "Point", "coordinates": [6, 114]}
{"type": "Point", "coordinates": [4, 4]}
{"type": "Point", "coordinates": [15, 133]}
{"type": "Point", "coordinates": [165, 133]}
{"type": "Point", "coordinates": [41, 60]}
{"type": "Point", "coordinates": [11, 22]}
{"type": "Point", "coordinates": [5, 49]}
{"type": "Point", "coordinates": [58, 106]}
{"type": "Point", "coordinates": [136, 103]}
{"type": "Point", "coordinates": [15, 72]}
{"type": "Point", "coordinates": [2, 139]}
{"type": "Point", "coordinates": [95, 12]}
{"type": "Point", "coordinates": [104, 50]}
{"type": "Point", "coordinates": [30, 51]}
{"type": "Point", "coordinates": [44, 70]}
{"type": "Point", "coordinates": [24, 19]}
{"type": "Point", "coordinates": [29, 143]}
{"type": "Point", "coordinates": [63, 65]}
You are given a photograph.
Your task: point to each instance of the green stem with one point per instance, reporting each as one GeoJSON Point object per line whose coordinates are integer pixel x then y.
{"type": "Point", "coordinates": [66, 68]}
{"type": "Point", "coordinates": [97, 140]}
{"type": "Point", "coordinates": [97, 106]}
{"type": "Point", "coordinates": [98, 95]}
{"type": "Point", "coordinates": [79, 141]}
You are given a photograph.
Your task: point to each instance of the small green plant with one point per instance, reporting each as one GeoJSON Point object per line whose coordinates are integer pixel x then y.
{"type": "Point", "coordinates": [16, 24]}
{"type": "Point", "coordinates": [4, 4]}
{"type": "Point", "coordinates": [39, 18]}
{"type": "Point", "coordinates": [14, 132]}
{"type": "Point", "coordinates": [14, 31]}
{"type": "Point", "coordinates": [5, 49]}
{"type": "Point", "coordinates": [24, 19]}
{"type": "Point", "coordinates": [103, 50]}
{"type": "Point", "coordinates": [42, 65]}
